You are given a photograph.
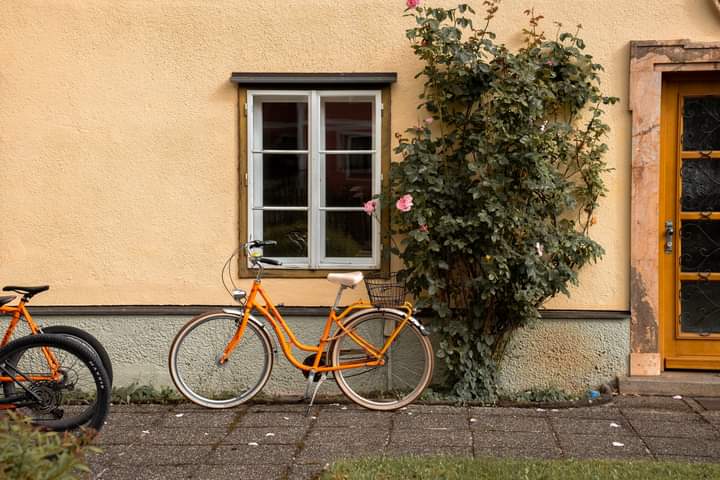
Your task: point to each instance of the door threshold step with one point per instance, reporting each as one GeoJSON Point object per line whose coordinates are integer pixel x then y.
{"type": "Point", "coordinates": [687, 383]}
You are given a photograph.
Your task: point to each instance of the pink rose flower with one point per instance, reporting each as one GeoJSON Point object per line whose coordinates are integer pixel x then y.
{"type": "Point", "coordinates": [423, 228]}
{"type": "Point", "coordinates": [412, 3]}
{"type": "Point", "coordinates": [404, 203]}
{"type": "Point", "coordinates": [369, 206]}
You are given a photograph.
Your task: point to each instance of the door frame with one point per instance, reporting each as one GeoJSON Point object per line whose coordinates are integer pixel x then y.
{"type": "Point", "coordinates": [649, 60]}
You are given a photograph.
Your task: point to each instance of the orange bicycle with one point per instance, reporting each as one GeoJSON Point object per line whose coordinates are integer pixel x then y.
{"type": "Point", "coordinates": [55, 380]}
{"type": "Point", "coordinates": [59, 376]}
{"type": "Point", "coordinates": [20, 312]}
{"type": "Point", "coordinates": [380, 357]}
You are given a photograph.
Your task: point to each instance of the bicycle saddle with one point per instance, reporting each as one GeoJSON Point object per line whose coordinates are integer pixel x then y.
{"type": "Point", "coordinates": [28, 291]}
{"type": "Point", "coordinates": [349, 279]}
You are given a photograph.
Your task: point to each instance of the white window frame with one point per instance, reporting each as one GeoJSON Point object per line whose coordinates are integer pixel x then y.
{"type": "Point", "coordinates": [316, 154]}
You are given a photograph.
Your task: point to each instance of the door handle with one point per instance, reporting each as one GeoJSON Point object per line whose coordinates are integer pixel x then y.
{"type": "Point", "coordinates": [669, 232]}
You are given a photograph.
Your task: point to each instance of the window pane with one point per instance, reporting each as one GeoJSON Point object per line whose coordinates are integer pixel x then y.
{"type": "Point", "coordinates": [285, 125]}
{"type": "Point", "coordinates": [700, 306]}
{"type": "Point", "coordinates": [348, 180]}
{"type": "Point", "coordinates": [289, 229]}
{"type": "Point", "coordinates": [700, 246]}
{"type": "Point", "coordinates": [701, 123]}
{"type": "Point", "coordinates": [285, 180]}
{"type": "Point", "coordinates": [701, 185]}
{"type": "Point", "coordinates": [348, 125]}
{"type": "Point", "coordinates": [348, 234]}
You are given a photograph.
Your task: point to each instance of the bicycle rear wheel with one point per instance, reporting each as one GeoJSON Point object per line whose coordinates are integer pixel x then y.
{"type": "Point", "coordinates": [75, 394]}
{"type": "Point", "coordinates": [401, 379]}
{"type": "Point", "coordinates": [85, 337]}
{"type": "Point", "coordinates": [194, 361]}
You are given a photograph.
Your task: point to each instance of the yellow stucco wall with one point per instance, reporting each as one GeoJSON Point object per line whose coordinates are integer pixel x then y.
{"type": "Point", "coordinates": [119, 143]}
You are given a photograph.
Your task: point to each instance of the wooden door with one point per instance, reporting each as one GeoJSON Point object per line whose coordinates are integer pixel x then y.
{"type": "Point", "coordinates": [690, 222]}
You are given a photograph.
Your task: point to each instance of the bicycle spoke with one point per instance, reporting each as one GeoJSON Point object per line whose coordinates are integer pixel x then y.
{"type": "Point", "coordinates": [404, 373]}
{"type": "Point", "coordinates": [195, 369]}
{"type": "Point", "coordinates": [51, 400]}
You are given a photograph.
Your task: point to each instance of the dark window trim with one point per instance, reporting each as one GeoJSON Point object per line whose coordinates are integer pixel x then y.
{"type": "Point", "coordinates": [315, 79]}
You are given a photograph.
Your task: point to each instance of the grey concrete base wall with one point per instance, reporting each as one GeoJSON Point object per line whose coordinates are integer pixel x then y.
{"type": "Point", "coordinates": [571, 355]}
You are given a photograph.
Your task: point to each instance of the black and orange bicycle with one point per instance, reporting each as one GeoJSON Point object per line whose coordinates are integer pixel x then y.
{"type": "Point", "coordinates": [59, 376]}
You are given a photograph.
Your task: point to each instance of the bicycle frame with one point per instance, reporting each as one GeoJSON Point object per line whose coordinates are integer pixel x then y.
{"type": "Point", "coordinates": [281, 329]}
{"type": "Point", "coordinates": [17, 312]}
{"type": "Point", "coordinates": [20, 311]}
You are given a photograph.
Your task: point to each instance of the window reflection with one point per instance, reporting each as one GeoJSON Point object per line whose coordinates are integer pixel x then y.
{"type": "Point", "coordinates": [285, 125]}
{"type": "Point", "coordinates": [348, 234]}
{"type": "Point", "coordinates": [348, 180]}
{"type": "Point", "coordinates": [348, 125]}
{"type": "Point", "coordinates": [285, 180]}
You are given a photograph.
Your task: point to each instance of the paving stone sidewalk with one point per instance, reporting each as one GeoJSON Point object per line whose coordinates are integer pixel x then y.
{"type": "Point", "coordinates": [277, 441]}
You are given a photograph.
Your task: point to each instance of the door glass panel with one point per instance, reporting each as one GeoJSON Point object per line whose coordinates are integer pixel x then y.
{"type": "Point", "coordinates": [348, 125]}
{"type": "Point", "coordinates": [348, 180]}
{"type": "Point", "coordinates": [701, 185]}
{"type": "Point", "coordinates": [285, 125]}
{"type": "Point", "coordinates": [348, 234]}
{"type": "Point", "coordinates": [700, 307]}
{"type": "Point", "coordinates": [701, 123]}
{"type": "Point", "coordinates": [700, 246]}
{"type": "Point", "coordinates": [289, 229]}
{"type": "Point", "coordinates": [285, 180]}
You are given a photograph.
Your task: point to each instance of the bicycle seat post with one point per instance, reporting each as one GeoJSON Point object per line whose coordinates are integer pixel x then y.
{"type": "Point", "coordinates": [337, 297]}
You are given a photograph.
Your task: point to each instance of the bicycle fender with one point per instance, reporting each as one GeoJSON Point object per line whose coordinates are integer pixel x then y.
{"type": "Point", "coordinates": [239, 313]}
{"type": "Point", "coordinates": [414, 321]}
{"type": "Point", "coordinates": [423, 329]}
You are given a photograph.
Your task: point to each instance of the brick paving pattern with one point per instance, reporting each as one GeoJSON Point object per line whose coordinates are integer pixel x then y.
{"type": "Point", "coordinates": [279, 441]}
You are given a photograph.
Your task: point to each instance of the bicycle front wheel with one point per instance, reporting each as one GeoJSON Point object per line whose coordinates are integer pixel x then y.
{"type": "Point", "coordinates": [56, 381]}
{"type": "Point", "coordinates": [406, 371]}
{"type": "Point", "coordinates": [197, 372]}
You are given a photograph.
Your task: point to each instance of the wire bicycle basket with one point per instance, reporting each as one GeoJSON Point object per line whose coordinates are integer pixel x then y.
{"type": "Point", "coordinates": [385, 292]}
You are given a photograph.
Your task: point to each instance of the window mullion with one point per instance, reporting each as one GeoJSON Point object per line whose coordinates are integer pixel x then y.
{"type": "Point", "coordinates": [377, 177]}
{"type": "Point", "coordinates": [315, 230]}
{"type": "Point", "coordinates": [252, 174]}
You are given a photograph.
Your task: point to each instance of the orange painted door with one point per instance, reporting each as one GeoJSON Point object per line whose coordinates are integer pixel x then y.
{"type": "Point", "coordinates": [690, 222]}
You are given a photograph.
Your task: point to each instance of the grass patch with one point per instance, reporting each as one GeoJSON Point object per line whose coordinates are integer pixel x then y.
{"type": "Point", "coordinates": [139, 394]}
{"type": "Point", "coordinates": [449, 468]}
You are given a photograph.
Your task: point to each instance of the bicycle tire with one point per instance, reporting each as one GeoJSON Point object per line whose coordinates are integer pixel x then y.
{"type": "Point", "coordinates": [380, 388]}
{"type": "Point", "coordinates": [87, 338]}
{"type": "Point", "coordinates": [200, 377]}
{"type": "Point", "coordinates": [87, 408]}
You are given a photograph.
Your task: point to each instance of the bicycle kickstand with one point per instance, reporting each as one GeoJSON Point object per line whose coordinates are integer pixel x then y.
{"type": "Point", "coordinates": [311, 379]}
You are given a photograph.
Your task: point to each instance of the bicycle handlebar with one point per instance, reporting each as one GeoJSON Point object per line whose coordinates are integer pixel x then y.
{"type": "Point", "coordinates": [269, 261]}
{"type": "Point", "coordinates": [261, 243]}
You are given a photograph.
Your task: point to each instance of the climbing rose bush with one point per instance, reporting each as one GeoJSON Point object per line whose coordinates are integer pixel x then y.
{"type": "Point", "coordinates": [502, 178]}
